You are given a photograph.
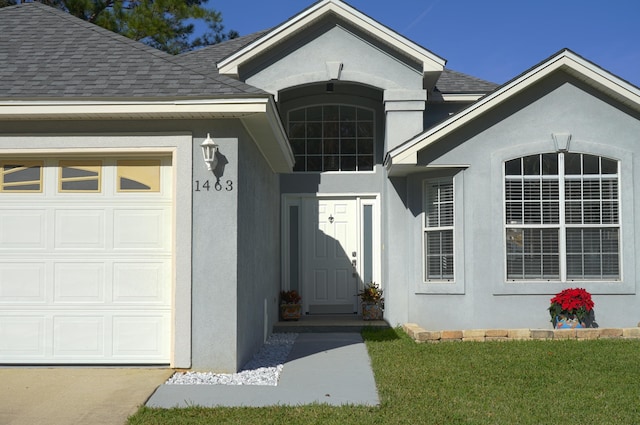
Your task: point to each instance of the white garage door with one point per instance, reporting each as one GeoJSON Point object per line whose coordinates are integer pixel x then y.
{"type": "Point", "coordinates": [85, 260]}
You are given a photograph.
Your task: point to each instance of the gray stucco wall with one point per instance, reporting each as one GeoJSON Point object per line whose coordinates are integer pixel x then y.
{"type": "Point", "coordinates": [523, 126]}
{"type": "Point", "coordinates": [258, 250]}
{"type": "Point", "coordinates": [236, 251]}
{"type": "Point", "coordinates": [304, 60]}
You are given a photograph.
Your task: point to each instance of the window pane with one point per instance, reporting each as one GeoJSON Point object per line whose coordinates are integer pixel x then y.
{"type": "Point", "coordinates": [609, 166]}
{"type": "Point", "coordinates": [314, 113]}
{"type": "Point", "coordinates": [79, 176]}
{"type": "Point", "coordinates": [572, 163]}
{"type": "Point", "coordinates": [331, 113]}
{"type": "Point", "coordinates": [591, 164]}
{"type": "Point", "coordinates": [439, 249]}
{"type": "Point", "coordinates": [531, 165]}
{"type": "Point", "coordinates": [549, 164]}
{"type": "Point", "coordinates": [314, 163]}
{"type": "Point", "coordinates": [331, 129]}
{"type": "Point", "coordinates": [139, 175]}
{"type": "Point", "coordinates": [513, 167]}
{"type": "Point", "coordinates": [349, 146]}
{"type": "Point", "coordinates": [22, 176]}
{"type": "Point", "coordinates": [365, 162]}
{"type": "Point", "coordinates": [298, 146]}
{"type": "Point", "coordinates": [347, 113]}
{"type": "Point", "coordinates": [533, 254]}
{"type": "Point", "coordinates": [365, 146]}
{"type": "Point", "coordinates": [314, 146]}
{"type": "Point", "coordinates": [332, 163]}
{"type": "Point", "coordinates": [513, 189]}
{"type": "Point", "coordinates": [348, 163]}
{"type": "Point", "coordinates": [297, 130]}
{"type": "Point", "coordinates": [297, 115]}
{"type": "Point", "coordinates": [592, 253]}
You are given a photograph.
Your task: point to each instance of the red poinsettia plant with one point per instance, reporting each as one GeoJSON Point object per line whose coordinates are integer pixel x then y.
{"type": "Point", "coordinates": [290, 297]}
{"type": "Point", "coordinates": [571, 302]}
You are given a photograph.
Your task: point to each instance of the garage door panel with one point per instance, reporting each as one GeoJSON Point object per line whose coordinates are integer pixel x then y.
{"type": "Point", "coordinates": [22, 336]}
{"type": "Point", "coordinates": [140, 229]}
{"type": "Point", "coordinates": [78, 336]}
{"type": "Point", "coordinates": [79, 229]}
{"type": "Point", "coordinates": [79, 283]}
{"type": "Point", "coordinates": [22, 282]}
{"type": "Point", "coordinates": [140, 282]}
{"type": "Point", "coordinates": [137, 336]}
{"type": "Point", "coordinates": [22, 229]}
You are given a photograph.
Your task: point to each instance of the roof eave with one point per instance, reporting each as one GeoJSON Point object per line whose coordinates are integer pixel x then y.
{"type": "Point", "coordinates": [407, 153]}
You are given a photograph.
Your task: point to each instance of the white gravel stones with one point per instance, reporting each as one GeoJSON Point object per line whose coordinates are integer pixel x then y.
{"type": "Point", "coordinates": [263, 369]}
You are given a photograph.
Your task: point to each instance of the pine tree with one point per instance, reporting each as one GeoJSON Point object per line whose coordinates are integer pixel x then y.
{"type": "Point", "coordinates": [167, 25]}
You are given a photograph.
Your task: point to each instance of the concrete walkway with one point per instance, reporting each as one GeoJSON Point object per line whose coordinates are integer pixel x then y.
{"type": "Point", "coordinates": [329, 368]}
{"type": "Point", "coordinates": [64, 396]}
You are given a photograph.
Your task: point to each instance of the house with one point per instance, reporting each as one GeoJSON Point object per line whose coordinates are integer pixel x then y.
{"type": "Point", "coordinates": [345, 154]}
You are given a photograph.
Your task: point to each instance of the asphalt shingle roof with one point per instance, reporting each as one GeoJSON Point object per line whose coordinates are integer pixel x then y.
{"type": "Point", "coordinates": [203, 59]}
{"type": "Point", "coordinates": [210, 55]}
{"type": "Point", "coordinates": [456, 82]}
{"type": "Point", "coordinates": [47, 53]}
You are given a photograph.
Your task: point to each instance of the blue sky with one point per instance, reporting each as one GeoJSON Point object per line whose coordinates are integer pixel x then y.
{"type": "Point", "coordinates": [491, 39]}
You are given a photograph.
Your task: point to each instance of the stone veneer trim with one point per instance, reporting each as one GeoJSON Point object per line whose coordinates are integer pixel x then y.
{"type": "Point", "coordinates": [421, 335]}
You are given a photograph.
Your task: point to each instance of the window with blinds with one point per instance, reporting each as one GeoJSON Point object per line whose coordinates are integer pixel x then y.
{"type": "Point", "coordinates": [438, 230]}
{"type": "Point", "coordinates": [562, 217]}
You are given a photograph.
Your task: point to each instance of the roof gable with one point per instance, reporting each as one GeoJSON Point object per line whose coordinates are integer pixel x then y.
{"type": "Point", "coordinates": [51, 54]}
{"type": "Point", "coordinates": [429, 61]}
{"type": "Point", "coordinates": [403, 159]}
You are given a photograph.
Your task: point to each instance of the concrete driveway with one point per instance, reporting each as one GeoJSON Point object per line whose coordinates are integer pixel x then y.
{"type": "Point", "coordinates": [62, 396]}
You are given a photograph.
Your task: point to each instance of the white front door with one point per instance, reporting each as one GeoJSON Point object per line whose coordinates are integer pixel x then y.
{"type": "Point", "coordinates": [331, 244]}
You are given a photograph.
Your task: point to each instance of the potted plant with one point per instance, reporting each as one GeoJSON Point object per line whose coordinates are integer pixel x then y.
{"type": "Point", "coordinates": [571, 308]}
{"type": "Point", "coordinates": [372, 301]}
{"type": "Point", "coordinates": [290, 307]}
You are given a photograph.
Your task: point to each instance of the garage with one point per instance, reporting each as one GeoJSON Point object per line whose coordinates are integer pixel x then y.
{"type": "Point", "coordinates": [86, 260]}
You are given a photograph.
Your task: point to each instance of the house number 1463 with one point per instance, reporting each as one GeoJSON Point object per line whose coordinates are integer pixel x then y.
{"type": "Point", "coordinates": [217, 186]}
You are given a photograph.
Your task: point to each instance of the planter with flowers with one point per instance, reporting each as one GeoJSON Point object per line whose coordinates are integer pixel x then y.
{"type": "Point", "coordinates": [372, 302]}
{"type": "Point", "coordinates": [571, 308]}
{"type": "Point", "coordinates": [290, 307]}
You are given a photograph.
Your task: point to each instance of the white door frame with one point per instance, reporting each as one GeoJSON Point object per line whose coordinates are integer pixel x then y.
{"type": "Point", "coordinates": [290, 267]}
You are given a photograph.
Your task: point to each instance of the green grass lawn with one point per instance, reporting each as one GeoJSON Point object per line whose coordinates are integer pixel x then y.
{"type": "Point", "coordinates": [515, 382]}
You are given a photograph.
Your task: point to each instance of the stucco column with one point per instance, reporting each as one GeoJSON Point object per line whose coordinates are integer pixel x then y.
{"type": "Point", "coordinates": [404, 111]}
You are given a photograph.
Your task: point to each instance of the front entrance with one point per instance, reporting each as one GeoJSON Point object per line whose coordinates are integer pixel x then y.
{"type": "Point", "coordinates": [330, 251]}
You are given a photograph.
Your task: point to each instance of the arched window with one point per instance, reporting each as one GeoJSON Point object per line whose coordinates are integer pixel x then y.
{"type": "Point", "coordinates": [332, 138]}
{"type": "Point", "coordinates": [562, 217]}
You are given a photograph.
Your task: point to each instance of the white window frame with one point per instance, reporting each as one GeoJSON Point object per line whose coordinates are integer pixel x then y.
{"type": "Point", "coordinates": [563, 224]}
{"type": "Point", "coordinates": [426, 228]}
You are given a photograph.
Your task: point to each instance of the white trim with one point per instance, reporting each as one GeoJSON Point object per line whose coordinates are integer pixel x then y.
{"type": "Point", "coordinates": [193, 108]}
{"type": "Point", "coordinates": [430, 62]}
{"type": "Point", "coordinates": [407, 154]}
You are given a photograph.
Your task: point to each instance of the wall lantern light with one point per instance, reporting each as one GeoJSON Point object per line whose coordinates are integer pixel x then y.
{"type": "Point", "coordinates": [209, 151]}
